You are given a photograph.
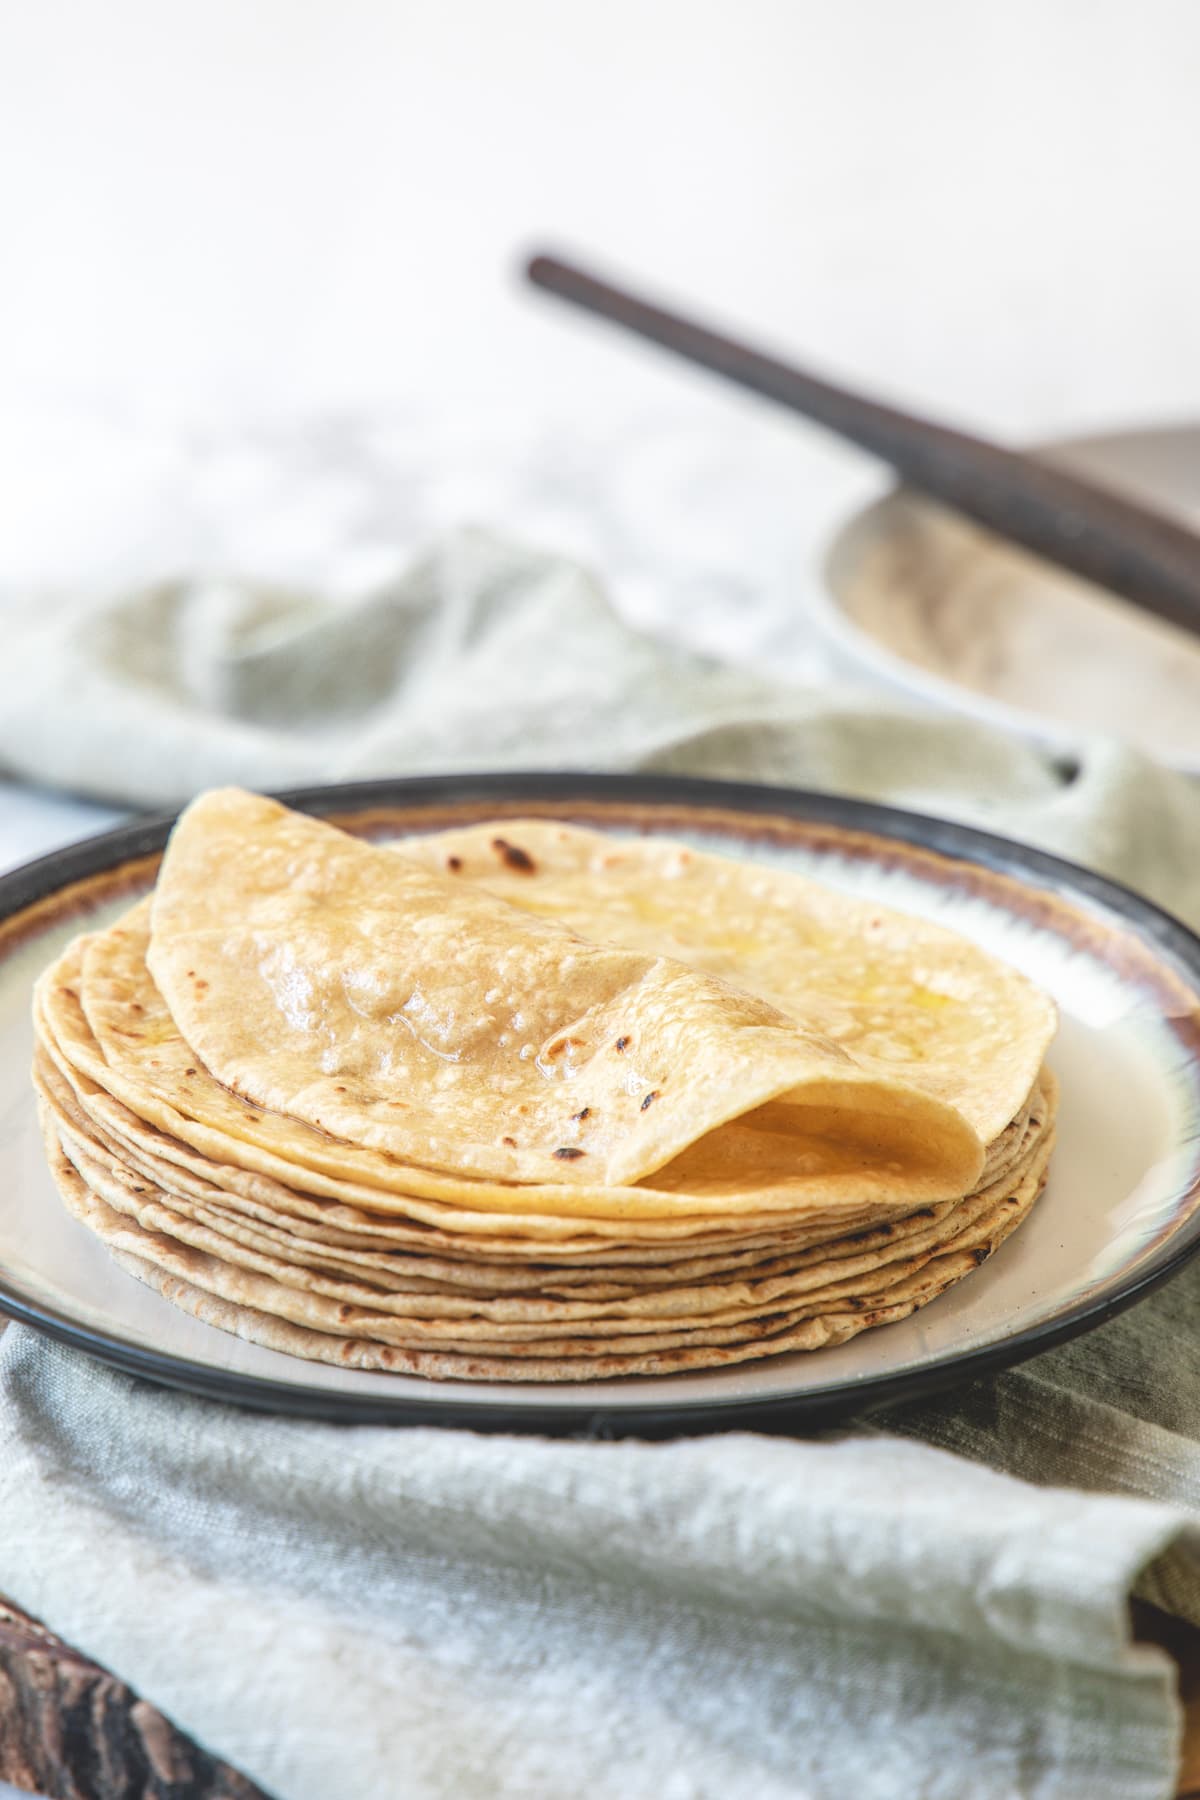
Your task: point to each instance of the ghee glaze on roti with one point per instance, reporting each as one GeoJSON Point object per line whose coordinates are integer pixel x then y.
{"type": "Point", "coordinates": [388, 1004]}
{"type": "Point", "coordinates": [903, 995]}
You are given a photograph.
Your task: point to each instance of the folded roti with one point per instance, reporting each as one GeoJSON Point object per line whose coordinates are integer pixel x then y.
{"type": "Point", "coordinates": [526, 1102]}
{"type": "Point", "coordinates": [392, 1006]}
{"type": "Point", "coordinates": [137, 1075]}
{"type": "Point", "coordinates": [907, 998]}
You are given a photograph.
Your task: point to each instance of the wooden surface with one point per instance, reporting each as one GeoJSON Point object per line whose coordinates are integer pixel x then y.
{"type": "Point", "coordinates": [1183, 1643]}
{"type": "Point", "coordinates": [69, 1728]}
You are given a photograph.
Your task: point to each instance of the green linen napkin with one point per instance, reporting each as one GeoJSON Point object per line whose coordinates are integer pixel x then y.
{"type": "Point", "coordinates": [371, 1613]}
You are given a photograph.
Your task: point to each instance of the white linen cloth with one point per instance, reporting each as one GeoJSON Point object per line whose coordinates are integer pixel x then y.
{"type": "Point", "coordinates": [371, 1613]}
{"type": "Point", "coordinates": [386, 1614]}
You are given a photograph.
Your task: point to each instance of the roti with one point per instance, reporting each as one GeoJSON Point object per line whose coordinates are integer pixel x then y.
{"type": "Point", "coordinates": [833, 1270]}
{"type": "Point", "coordinates": [529, 1103]}
{"type": "Point", "coordinates": [904, 996]}
{"type": "Point", "coordinates": [362, 994]}
{"type": "Point", "coordinates": [180, 1275]}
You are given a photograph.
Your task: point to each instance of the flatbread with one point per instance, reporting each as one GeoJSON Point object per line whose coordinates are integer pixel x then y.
{"type": "Point", "coordinates": [176, 1278]}
{"type": "Point", "coordinates": [791, 1283]}
{"type": "Point", "coordinates": [200, 1214]}
{"type": "Point", "coordinates": [304, 1224]}
{"type": "Point", "coordinates": [225, 1129]}
{"type": "Point", "coordinates": [393, 1007]}
{"type": "Point", "coordinates": [528, 1103]}
{"type": "Point", "coordinates": [903, 995]}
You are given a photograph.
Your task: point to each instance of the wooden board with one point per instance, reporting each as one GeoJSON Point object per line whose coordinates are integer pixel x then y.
{"type": "Point", "coordinates": [68, 1727]}
{"type": "Point", "coordinates": [1183, 1643]}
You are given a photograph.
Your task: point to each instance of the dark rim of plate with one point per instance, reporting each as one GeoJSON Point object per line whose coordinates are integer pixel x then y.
{"type": "Point", "coordinates": [603, 1417]}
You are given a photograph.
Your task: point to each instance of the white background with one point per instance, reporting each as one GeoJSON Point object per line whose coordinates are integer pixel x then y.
{"type": "Point", "coordinates": [236, 210]}
{"type": "Point", "coordinates": [270, 205]}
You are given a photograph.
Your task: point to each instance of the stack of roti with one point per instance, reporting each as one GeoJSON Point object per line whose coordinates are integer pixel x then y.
{"type": "Point", "coordinates": [524, 1102]}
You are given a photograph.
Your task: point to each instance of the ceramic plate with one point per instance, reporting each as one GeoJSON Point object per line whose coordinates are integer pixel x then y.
{"type": "Point", "coordinates": [940, 609]}
{"type": "Point", "coordinates": [1121, 1210]}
